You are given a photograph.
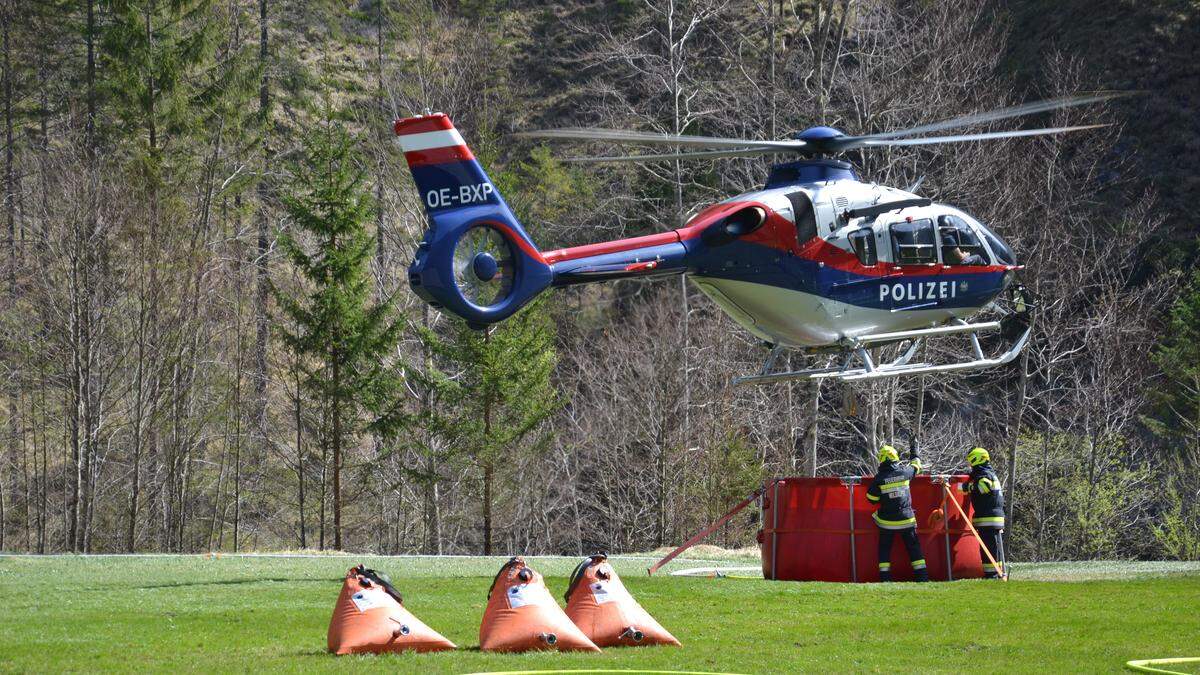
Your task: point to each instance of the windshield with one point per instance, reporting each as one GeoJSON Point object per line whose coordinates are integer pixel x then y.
{"type": "Point", "coordinates": [1003, 253]}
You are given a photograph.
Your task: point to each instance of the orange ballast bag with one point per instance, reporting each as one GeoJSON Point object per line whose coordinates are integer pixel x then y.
{"type": "Point", "coordinates": [370, 619]}
{"type": "Point", "coordinates": [521, 615]}
{"type": "Point", "coordinates": [604, 610]}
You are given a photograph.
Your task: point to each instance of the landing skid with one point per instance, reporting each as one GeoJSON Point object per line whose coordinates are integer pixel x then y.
{"type": "Point", "coordinates": [857, 363]}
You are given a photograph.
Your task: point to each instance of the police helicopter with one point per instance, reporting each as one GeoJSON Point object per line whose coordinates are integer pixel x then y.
{"type": "Point", "coordinates": [817, 260]}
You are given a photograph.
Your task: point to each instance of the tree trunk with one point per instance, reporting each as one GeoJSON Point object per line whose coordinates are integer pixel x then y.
{"type": "Point", "coordinates": [1022, 386]}
{"type": "Point", "coordinates": [262, 282]}
{"type": "Point", "coordinates": [300, 453]}
{"type": "Point", "coordinates": [814, 430]}
{"type": "Point", "coordinates": [335, 357]}
{"type": "Point", "coordinates": [488, 475]}
{"type": "Point", "coordinates": [324, 477]}
{"type": "Point", "coordinates": [10, 215]}
{"type": "Point", "coordinates": [489, 468]}
{"type": "Point", "coordinates": [382, 110]}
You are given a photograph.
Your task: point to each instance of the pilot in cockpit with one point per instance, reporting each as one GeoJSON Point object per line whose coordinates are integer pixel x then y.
{"type": "Point", "coordinates": [953, 253]}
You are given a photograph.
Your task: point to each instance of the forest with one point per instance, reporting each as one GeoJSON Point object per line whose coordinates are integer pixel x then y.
{"type": "Point", "coordinates": [208, 341]}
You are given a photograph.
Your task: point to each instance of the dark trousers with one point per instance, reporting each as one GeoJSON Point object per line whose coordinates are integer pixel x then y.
{"type": "Point", "coordinates": [914, 553]}
{"type": "Point", "coordinates": [993, 539]}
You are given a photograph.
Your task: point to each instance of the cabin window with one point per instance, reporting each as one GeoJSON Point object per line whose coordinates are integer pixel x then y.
{"type": "Point", "coordinates": [863, 242]}
{"type": "Point", "coordinates": [960, 245]}
{"type": "Point", "coordinates": [913, 242]}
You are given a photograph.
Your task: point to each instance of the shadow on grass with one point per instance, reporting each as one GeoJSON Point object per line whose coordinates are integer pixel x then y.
{"type": "Point", "coordinates": [228, 582]}
{"type": "Point", "coordinates": [326, 654]}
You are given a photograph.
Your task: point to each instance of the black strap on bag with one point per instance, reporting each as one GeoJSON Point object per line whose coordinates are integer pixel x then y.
{"type": "Point", "coordinates": [380, 579]}
{"type": "Point", "coordinates": [581, 569]}
{"type": "Point", "coordinates": [511, 561]}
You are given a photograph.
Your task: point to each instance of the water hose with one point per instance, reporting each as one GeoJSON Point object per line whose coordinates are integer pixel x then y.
{"type": "Point", "coordinates": [595, 670]}
{"type": "Point", "coordinates": [1147, 665]}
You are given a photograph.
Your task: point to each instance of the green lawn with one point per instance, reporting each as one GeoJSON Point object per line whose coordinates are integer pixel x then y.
{"type": "Point", "coordinates": [255, 613]}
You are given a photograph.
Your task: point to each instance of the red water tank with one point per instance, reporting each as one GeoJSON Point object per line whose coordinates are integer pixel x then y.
{"type": "Point", "coordinates": [820, 529]}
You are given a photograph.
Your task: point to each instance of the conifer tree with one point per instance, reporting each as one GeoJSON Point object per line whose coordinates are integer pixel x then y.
{"type": "Point", "coordinates": [1179, 357]}
{"type": "Point", "coordinates": [340, 336]}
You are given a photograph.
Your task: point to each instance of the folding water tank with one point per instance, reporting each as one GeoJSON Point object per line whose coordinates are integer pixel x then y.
{"type": "Point", "coordinates": [820, 529]}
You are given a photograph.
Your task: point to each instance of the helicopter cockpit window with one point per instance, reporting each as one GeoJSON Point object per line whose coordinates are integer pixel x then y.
{"type": "Point", "coordinates": [960, 245]}
{"type": "Point", "coordinates": [1003, 253]}
{"type": "Point", "coordinates": [913, 242]}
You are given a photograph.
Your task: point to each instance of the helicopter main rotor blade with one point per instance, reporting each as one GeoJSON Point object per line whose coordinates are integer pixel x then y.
{"type": "Point", "coordinates": [706, 154]}
{"type": "Point", "coordinates": [932, 140]}
{"type": "Point", "coordinates": [648, 138]}
{"type": "Point", "coordinates": [1003, 113]}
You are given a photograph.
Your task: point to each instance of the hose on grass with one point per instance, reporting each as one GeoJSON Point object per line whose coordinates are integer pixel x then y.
{"type": "Point", "coordinates": [1147, 665]}
{"type": "Point", "coordinates": [593, 670]}
{"type": "Point", "coordinates": [718, 572]}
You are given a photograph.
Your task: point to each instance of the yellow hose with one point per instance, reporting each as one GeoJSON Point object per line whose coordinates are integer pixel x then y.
{"type": "Point", "coordinates": [592, 670]}
{"type": "Point", "coordinates": [1146, 665]}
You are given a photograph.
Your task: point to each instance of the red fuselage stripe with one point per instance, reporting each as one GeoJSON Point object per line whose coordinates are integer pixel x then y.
{"type": "Point", "coordinates": [450, 153]}
{"type": "Point", "coordinates": [617, 246]}
{"type": "Point", "coordinates": [518, 240]}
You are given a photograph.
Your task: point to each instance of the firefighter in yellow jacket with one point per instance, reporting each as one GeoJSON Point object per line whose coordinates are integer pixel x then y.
{"type": "Point", "coordinates": [889, 489]}
{"type": "Point", "coordinates": [983, 487]}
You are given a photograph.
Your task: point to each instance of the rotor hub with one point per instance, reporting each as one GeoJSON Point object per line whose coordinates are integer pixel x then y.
{"type": "Point", "coordinates": [484, 266]}
{"type": "Point", "coordinates": [817, 134]}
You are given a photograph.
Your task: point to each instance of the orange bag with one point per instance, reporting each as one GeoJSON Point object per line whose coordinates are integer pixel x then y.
{"type": "Point", "coordinates": [369, 618]}
{"type": "Point", "coordinates": [599, 604]}
{"type": "Point", "coordinates": [521, 615]}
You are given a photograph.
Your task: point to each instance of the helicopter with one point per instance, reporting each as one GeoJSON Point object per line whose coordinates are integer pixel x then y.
{"type": "Point", "coordinates": [817, 260]}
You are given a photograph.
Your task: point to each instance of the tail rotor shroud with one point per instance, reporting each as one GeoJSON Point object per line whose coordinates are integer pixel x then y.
{"type": "Point", "coordinates": [483, 266]}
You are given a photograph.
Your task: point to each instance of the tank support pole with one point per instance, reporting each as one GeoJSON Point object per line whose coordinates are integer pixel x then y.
{"type": "Point", "coordinates": [774, 529]}
{"type": "Point", "coordinates": [850, 482]}
{"type": "Point", "coordinates": [706, 531]}
{"type": "Point", "coordinates": [946, 528]}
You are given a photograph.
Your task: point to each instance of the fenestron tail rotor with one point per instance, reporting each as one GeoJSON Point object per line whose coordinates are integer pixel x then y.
{"type": "Point", "coordinates": [823, 141]}
{"type": "Point", "coordinates": [483, 266]}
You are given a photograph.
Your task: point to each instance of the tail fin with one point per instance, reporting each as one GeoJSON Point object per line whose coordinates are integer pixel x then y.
{"type": "Point", "coordinates": [475, 260]}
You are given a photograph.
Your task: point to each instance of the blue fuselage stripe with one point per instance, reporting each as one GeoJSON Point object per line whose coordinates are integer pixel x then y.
{"type": "Point", "coordinates": [759, 264]}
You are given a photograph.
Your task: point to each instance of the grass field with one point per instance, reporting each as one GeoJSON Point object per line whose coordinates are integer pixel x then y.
{"type": "Point", "coordinates": [268, 613]}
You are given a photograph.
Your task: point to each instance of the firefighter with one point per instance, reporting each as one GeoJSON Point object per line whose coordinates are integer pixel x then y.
{"type": "Point", "coordinates": [983, 489]}
{"type": "Point", "coordinates": [889, 489]}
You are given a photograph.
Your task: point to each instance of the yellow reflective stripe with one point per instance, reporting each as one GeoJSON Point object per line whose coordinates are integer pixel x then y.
{"type": "Point", "coordinates": [885, 566]}
{"type": "Point", "coordinates": [918, 564]}
{"type": "Point", "coordinates": [916, 464]}
{"type": "Point", "coordinates": [984, 488]}
{"type": "Point", "coordinates": [872, 498]}
{"type": "Point", "coordinates": [894, 524]}
{"type": "Point", "coordinates": [889, 486]}
{"type": "Point", "coordinates": [988, 520]}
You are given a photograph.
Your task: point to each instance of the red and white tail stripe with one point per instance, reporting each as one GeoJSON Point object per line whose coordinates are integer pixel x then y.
{"type": "Point", "coordinates": [431, 139]}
